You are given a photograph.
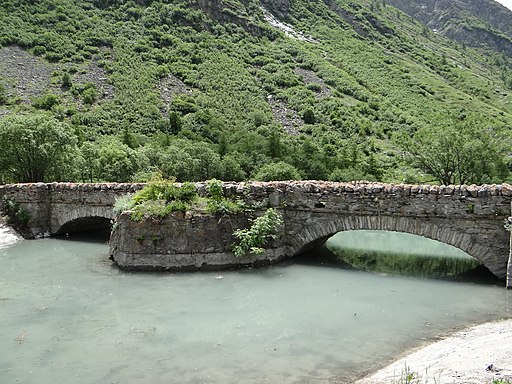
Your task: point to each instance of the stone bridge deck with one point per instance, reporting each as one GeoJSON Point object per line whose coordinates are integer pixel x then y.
{"type": "Point", "coordinates": [468, 217]}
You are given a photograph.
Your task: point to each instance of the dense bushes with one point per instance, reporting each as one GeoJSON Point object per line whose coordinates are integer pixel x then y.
{"type": "Point", "coordinates": [160, 197]}
{"type": "Point", "coordinates": [196, 98]}
{"type": "Point", "coordinates": [277, 171]}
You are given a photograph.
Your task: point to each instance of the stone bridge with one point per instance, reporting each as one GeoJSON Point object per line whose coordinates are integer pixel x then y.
{"type": "Point", "coordinates": [59, 208]}
{"type": "Point", "coordinates": [468, 217]}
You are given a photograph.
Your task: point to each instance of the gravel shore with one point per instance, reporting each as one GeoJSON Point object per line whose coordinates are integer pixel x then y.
{"type": "Point", "coordinates": [477, 355]}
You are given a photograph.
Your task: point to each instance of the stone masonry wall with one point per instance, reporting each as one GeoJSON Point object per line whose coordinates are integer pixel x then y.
{"type": "Point", "coordinates": [51, 205]}
{"type": "Point", "coordinates": [468, 217]}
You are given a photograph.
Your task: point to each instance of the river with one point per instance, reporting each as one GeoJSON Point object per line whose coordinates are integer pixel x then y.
{"type": "Point", "coordinates": [68, 315]}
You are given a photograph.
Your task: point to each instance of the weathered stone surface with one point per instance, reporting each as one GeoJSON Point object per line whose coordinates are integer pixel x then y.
{"type": "Point", "coordinates": [53, 205]}
{"type": "Point", "coordinates": [506, 190]}
{"type": "Point", "coordinates": [468, 217]}
{"type": "Point", "coordinates": [183, 242]}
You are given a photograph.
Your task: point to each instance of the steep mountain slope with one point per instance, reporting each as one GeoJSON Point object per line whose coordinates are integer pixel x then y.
{"type": "Point", "coordinates": [476, 23]}
{"type": "Point", "coordinates": [197, 89]}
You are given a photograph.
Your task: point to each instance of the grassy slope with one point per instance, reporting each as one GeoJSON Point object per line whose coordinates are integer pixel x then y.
{"type": "Point", "coordinates": [386, 74]}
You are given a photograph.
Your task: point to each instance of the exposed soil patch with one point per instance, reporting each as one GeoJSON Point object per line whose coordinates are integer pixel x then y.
{"type": "Point", "coordinates": [93, 73]}
{"type": "Point", "coordinates": [23, 74]}
{"type": "Point", "coordinates": [27, 76]}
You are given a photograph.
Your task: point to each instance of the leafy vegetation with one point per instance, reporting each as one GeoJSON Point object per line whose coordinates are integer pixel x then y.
{"type": "Point", "coordinates": [216, 202]}
{"type": "Point", "coordinates": [466, 150]}
{"type": "Point", "coordinates": [160, 197]}
{"type": "Point", "coordinates": [200, 90]}
{"type": "Point", "coordinates": [17, 216]}
{"type": "Point", "coordinates": [262, 229]}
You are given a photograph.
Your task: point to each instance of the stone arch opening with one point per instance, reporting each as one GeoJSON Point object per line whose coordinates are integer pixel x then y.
{"type": "Point", "coordinates": [85, 224]}
{"type": "Point", "coordinates": [81, 218]}
{"type": "Point", "coordinates": [444, 231]}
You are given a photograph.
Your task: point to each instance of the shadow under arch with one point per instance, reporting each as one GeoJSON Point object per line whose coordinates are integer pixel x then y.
{"type": "Point", "coordinates": [81, 218]}
{"type": "Point", "coordinates": [314, 235]}
{"type": "Point", "coordinates": [85, 224]}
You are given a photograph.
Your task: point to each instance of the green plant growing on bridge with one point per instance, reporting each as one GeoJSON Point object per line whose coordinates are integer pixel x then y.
{"type": "Point", "coordinates": [263, 228]}
{"type": "Point", "coordinates": [17, 216]}
{"type": "Point", "coordinates": [216, 202]}
{"type": "Point", "coordinates": [158, 199]}
{"type": "Point", "coordinates": [167, 191]}
{"type": "Point", "coordinates": [123, 203]}
{"type": "Point", "coordinates": [508, 224]}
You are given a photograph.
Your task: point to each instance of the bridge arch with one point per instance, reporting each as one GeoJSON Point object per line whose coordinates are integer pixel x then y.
{"type": "Point", "coordinates": [314, 235]}
{"type": "Point", "coordinates": [81, 219]}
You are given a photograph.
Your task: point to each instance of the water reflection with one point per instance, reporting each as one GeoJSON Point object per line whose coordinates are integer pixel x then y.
{"type": "Point", "coordinates": [400, 254]}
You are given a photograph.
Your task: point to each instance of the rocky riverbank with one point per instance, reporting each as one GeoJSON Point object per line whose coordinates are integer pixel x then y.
{"type": "Point", "coordinates": [476, 355]}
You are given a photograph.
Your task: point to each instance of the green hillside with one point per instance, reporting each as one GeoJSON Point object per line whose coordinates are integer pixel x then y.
{"type": "Point", "coordinates": [114, 90]}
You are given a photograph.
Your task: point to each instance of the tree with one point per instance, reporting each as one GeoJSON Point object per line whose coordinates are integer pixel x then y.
{"type": "Point", "coordinates": [206, 161]}
{"type": "Point", "coordinates": [175, 123]}
{"type": "Point", "coordinates": [277, 171]}
{"type": "Point", "coordinates": [36, 147]}
{"type": "Point", "coordinates": [231, 169]}
{"type": "Point", "coordinates": [469, 150]}
{"type": "Point", "coordinates": [117, 161]}
{"type": "Point", "coordinates": [89, 161]}
{"type": "Point", "coordinates": [174, 162]}
{"type": "Point", "coordinates": [275, 147]}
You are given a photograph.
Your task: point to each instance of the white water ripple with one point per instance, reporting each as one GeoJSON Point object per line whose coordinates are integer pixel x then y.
{"type": "Point", "coordinates": [7, 236]}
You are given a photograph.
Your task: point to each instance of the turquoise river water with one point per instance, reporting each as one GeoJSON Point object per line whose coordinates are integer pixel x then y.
{"type": "Point", "coordinates": [68, 316]}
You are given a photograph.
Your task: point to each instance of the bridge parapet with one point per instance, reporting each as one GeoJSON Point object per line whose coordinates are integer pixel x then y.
{"type": "Point", "coordinates": [378, 198]}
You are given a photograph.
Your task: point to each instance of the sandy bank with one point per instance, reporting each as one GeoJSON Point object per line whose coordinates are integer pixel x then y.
{"type": "Point", "coordinates": [463, 358]}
